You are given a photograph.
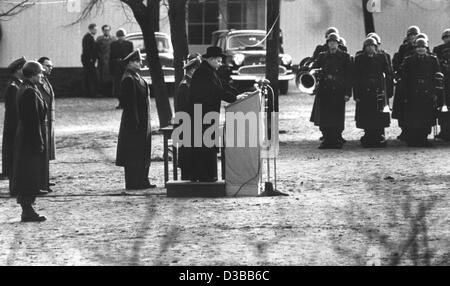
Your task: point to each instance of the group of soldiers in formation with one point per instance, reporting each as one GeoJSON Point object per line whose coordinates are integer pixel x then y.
{"type": "Point", "coordinates": [28, 134]}
{"type": "Point", "coordinates": [418, 79]}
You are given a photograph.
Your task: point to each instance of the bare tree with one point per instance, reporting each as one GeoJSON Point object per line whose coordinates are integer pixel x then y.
{"type": "Point", "coordinates": [8, 10]}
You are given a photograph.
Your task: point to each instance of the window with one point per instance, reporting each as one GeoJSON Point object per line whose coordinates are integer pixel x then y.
{"type": "Point", "coordinates": [241, 14]}
{"type": "Point", "coordinates": [203, 19]}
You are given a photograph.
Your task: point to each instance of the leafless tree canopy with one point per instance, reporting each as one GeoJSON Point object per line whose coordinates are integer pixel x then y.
{"type": "Point", "coordinates": [8, 10]}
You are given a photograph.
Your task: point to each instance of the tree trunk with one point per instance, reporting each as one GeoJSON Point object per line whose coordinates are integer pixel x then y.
{"type": "Point", "coordinates": [273, 44]}
{"type": "Point", "coordinates": [143, 15]}
{"type": "Point", "coordinates": [369, 23]}
{"type": "Point", "coordinates": [156, 14]}
{"type": "Point", "coordinates": [177, 18]}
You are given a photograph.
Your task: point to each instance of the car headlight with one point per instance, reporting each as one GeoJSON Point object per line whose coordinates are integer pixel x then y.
{"type": "Point", "coordinates": [286, 60]}
{"type": "Point", "coordinates": [238, 59]}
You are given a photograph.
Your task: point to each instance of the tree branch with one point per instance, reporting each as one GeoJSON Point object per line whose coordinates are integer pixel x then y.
{"type": "Point", "coordinates": [15, 9]}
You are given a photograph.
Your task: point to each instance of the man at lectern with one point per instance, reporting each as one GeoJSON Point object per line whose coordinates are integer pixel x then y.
{"type": "Point", "coordinates": [207, 91]}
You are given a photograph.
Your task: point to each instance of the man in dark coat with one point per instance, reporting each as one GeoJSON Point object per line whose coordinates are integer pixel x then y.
{"type": "Point", "coordinates": [208, 92]}
{"type": "Point", "coordinates": [183, 105]}
{"type": "Point", "coordinates": [119, 50]}
{"type": "Point", "coordinates": [406, 49]}
{"type": "Point", "coordinates": [135, 138]}
{"type": "Point", "coordinates": [30, 142]}
{"type": "Point", "coordinates": [48, 94]}
{"type": "Point", "coordinates": [88, 59]}
{"type": "Point", "coordinates": [333, 91]}
{"type": "Point", "coordinates": [103, 48]}
{"type": "Point", "coordinates": [372, 79]}
{"type": "Point", "coordinates": [10, 123]}
{"type": "Point", "coordinates": [418, 86]}
{"type": "Point", "coordinates": [443, 54]}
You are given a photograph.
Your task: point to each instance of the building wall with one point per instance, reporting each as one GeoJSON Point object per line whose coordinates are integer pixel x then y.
{"type": "Point", "coordinates": [43, 30]}
{"type": "Point", "coordinates": [304, 22]}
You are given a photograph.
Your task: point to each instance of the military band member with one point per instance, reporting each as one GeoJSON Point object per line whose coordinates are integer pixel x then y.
{"type": "Point", "coordinates": [134, 143]}
{"type": "Point", "coordinates": [46, 90]}
{"type": "Point", "coordinates": [418, 87]}
{"type": "Point", "coordinates": [184, 105]}
{"type": "Point", "coordinates": [443, 54]}
{"type": "Point", "coordinates": [10, 123]}
{"type": "Point", "coordinates": [31, 142]}
{"type": "Point", "coordinates": [372, 79]}
{"type": "Point", "coordinates": [333, 91]}
{"type": "Point", "coordinates": [405, 50]}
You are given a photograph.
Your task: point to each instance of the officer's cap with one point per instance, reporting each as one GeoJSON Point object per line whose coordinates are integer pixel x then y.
{"type": "Point", "coordinates": [32, 68]}
{"type": "Point", "coordinates": [17, 64]}
{"type": "Point", "coordinates": [421, 43]}
{"type": "Point", "coordinates": [333, 37]}
{"type": "Point", "coordinates": [413, 30]}
{"type": "Point", "coordinates": [132, 57]}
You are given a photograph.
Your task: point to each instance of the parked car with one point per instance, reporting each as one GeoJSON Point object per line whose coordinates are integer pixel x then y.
{"type": "Point", "coordinates": [246, 57]}
{"type": "Point", "coordinates": [165, 50]}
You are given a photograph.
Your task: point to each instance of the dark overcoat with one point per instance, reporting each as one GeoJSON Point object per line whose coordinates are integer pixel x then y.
{"type": "Point", "coordinates": [10, 126]}
{"type": "Point", "coordinates": [208, 91]}
{"type": "Point", "coordinates": [368, 82]}
{"type": "Point", "coordinates": [103, 47]}
{"type": "Point", "coordinates": [334, 84]}
{"type": "Point", "coordinates": [48, 94]}
{"type": "Point", "coordinates": [135, 141]}
{"type": "Point", "coordinates": [31, 141]}
{"type": "Point", "coordinates": [418, 85]}
{"type": "Point", "coordinates": [442, 52]}
{"type": "Point", "coordinates": [119, 50]}
{"type": "Point", "coordinates": [89, 51]}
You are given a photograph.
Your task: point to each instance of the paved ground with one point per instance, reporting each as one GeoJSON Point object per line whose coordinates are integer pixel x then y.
{"type": "Point", "coordinates": [348, 207]}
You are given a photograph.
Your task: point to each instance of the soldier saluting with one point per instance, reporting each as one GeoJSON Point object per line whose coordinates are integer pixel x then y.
{"type": "Point", "coordinates": [333, 91]}
{"type": "Point", "coordinates": [371, 92]}
{"type": "Point", "coordinates": [418, 87]}
{"type": "Point", "coordinates": [443, 54]}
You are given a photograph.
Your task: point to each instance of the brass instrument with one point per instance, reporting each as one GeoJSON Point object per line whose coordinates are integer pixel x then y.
{"type": "Point", "coordinates": [382, 98]}
{"type": "Point", "coordinates": [308, 80]}
{"type": "Point", "coordinates": [440, 87]}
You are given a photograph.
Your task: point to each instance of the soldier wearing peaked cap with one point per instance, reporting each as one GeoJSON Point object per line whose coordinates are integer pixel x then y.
{"type": "Point", "coordinates": [135, 138]}
{"type": "Point", "coordinates": [11, 120]}
{"type": "Point", "coordinates": [419, 95]}
{"type": "Point", "coordinates": [443, 54]}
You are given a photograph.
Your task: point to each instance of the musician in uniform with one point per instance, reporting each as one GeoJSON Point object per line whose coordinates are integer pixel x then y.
{"type": "Point", "coordinates": [333, 91]}
{"type": "Point", "coordinates": [443, 54]}
{"type": "Point", "coordinates": [405, 50]}
{"type": "Point", "coordinates": [10, 123]}
{"type": "Point", "coordinates": [135, 138]}
{"type": "Point", "coordinates": [372, 88]}
{"type": "Point", "coordinates": [31, 142]}
{"type": "Point", "coordinates": [419, 94]}
{"type": "Point", "coordinates": [184, 105]}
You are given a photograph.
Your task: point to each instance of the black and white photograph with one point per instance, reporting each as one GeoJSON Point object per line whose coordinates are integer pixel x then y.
{"type": "Point", "coordinates": [227, 133]}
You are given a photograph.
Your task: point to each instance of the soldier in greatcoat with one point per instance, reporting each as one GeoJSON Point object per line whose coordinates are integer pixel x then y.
{"type": "Point", "coordinates": [30, 142]}
{"type": "Point", "coordinates": [119, 50]}
{"type": "Point", "coordinates": [442, 52]}
{"type": "Point", "coordinates": [10, 122]}
{"type": "Point", "coordinates": [419, 94]}
{"type": "Point", "coordinates": [208, 92]}
{"type": "Point", "coordinates": [333, 91]}
{"type": "Point", "coordinates": [193, 61]}
{"type": "Point", "coordinates": [406, 49]}
{"type": "Point", "coordinates": [135, 138]}
{"type": "Point", "coordinates": [372, 88]}
{"type": "Point", "coordinates": [46, 89]}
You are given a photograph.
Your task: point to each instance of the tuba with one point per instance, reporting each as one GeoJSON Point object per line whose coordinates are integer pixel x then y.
{"type": "Point", "coordinates": [308, 80]}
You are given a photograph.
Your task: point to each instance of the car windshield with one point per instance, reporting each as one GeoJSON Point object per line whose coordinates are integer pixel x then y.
{"type": "Point", "coordinates": [162, 43]}
{"type": "Point", "coordinates": [247, 42]}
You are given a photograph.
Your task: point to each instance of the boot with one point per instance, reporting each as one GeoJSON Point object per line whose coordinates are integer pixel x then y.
{"type": "Point", "coordinates": [29, 215]}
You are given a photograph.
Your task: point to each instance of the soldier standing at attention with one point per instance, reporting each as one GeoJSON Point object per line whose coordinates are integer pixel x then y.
{"type": "Point", "coordinates": [135, 137]}
{"type": "Point", "coordinates": [333, 91]}
{"type": "Point", "coordinates": [30, 142]}
{"type": "Point", "coordinates": [372, 78]}
{"type": "Point", "coordinates": [418, 87]}
{"type": "Point", "coordinates": [443, 54]}
{"type": "Point", "coordinates": [10, 123]}
{"type": "Point", "coordinates": [119, 50]}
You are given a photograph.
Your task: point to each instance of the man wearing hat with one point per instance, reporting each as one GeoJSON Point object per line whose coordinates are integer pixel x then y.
{"type": "Point", "coordinates": [119, 50]}
{"type": "Point", "coordinates": [333, 91]}
{"type": "Point", "coordinates": [405, 50]}
{"type": "Point", "coordinates": [208, 92]}
{"type": "Point", "coordinates": [10, 122]}
{"type": "Point", "coordinates": [135, 138]}
{"type": "Point", "coordinates": [193, 61]}
{"type": "Point", "coordinates": [371, 77]}
{"type": "Point", "coordinates": [419, 95]}
{"type": "Point", "coordinates": [443, 54]}
{"type": "Point", "coordinates": [31, 142]}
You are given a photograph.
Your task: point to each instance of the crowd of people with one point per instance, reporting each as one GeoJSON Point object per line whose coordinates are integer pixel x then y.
{"type": "Point", "coordinates": [417, 78]}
